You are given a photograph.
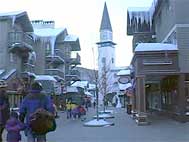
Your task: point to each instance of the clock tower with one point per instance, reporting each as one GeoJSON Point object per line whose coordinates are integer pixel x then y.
{"type": "Point", "coordinates": [106, 55]}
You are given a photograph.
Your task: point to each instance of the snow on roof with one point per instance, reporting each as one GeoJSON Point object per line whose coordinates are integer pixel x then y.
{"type": "Point", "coordinates": [2, 71]}
{"type": "Point", "coordinates": [124, 72]}
{"type": "Point", "coordinates": [81, 84]}
{"type": "Point", "coordinates": [9, 74]}
{"type": "Point", "coordinates": [88, 94]}
{"type": "Point", "coordinates": [71, 89]}
{"type": "Point", "coordinates": [92, 86]}
{"type": "Point", "coordinates": [48, 32]}
{"type": "Point", "coordinates": [71, 38]}
{"type": "Point", "coordinates": [155, 47]}
{"type": "Point", "coordinates": [14, 13]}
{"type": "Point", "coordinates": [124, 86]}
{"type": "Point", "coordinates": [45, 77]}
{"type": "Point", "coordinates": [136, 9]}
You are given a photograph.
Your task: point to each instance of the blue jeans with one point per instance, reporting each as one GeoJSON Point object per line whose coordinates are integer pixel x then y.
{"type": "Point", "coordinates": [35, 138]}
{"type": "Point", "coordinates": [69, 113]}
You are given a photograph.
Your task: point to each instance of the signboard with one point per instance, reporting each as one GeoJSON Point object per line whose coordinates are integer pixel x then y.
{"type": "Point", "coordinates": [123, 80]}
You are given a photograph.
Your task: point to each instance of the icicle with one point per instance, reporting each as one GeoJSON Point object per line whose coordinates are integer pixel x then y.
{"type": "Point", "coordinates": [52, 41]}
{"type": "Point", "coordinates": [130, 17]}
{"type": "Point", "coordinates": [13, 20]}
{"type": "Point", "coordinates": [35, 37]}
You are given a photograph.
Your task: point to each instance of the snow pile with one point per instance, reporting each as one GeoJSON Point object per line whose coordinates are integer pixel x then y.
{"type": "Point", "coordinates": [98, 123]}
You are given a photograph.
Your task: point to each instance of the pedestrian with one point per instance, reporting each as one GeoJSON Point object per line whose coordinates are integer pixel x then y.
{"type": "Point", "coordinates": [13, 127]}
{"type": "Point", "coordinates": [69, 109]}
{"type": "Point", "coordinates": [94, 104]}
{"type": "Point", "coordinates": [4, 107]}
{"type": "Point", "coordinates": [34, 101]}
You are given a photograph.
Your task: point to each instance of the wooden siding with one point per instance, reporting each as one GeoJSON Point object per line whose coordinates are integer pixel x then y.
{"type": "Point", "coordinates": [164, 20]}
{"type": "Point", "coordinates": [183, 45]}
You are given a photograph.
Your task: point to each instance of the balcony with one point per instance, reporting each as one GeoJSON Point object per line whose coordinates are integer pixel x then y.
{"type": "Point", "coordinates": [55, 72]}
{"type": "Point", "coordinates": [57, 58]}
{"type": "Point", "coordinates": [76, 61]}
{"type": "Point", "coordinates": [73, 76]}
{"type": "Point", "coordinates": [20, 41]}
{"type": "Point", "coordinates": [27, 67]}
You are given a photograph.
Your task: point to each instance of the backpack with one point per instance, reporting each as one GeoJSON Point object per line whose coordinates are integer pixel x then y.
{"type": "Point", "coordinates": [42, 121]}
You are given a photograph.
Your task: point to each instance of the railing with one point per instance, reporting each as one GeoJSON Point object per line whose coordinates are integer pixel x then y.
{"type": "Point", "coordinates": [75, 72]}
{"type": "Point", "coordinates": [27, 67]}
{"type": "Point", "coordinates": [20, 38]}
{"type": "Point", "coordinates": [57, 57]}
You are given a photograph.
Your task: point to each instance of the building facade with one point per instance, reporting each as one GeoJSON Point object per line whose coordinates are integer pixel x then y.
{"type": "Point", "coordinates": [54, 48]}
{"type": "Point", "coordinates": [16, 46]}
{"type": "Point", "coordinates": [29, 48]}
{"type": "Point", "coordinates": [161, 67]}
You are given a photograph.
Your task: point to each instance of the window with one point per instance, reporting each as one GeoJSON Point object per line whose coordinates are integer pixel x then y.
{"type": "Point", "coordinates": [12, 58]}
{"type": "Point", "coordinates": [103, 60]}
{"type": "Point", "coordinates": [112, 60]}
{"type": "Point", "coordinates": [48, 49]}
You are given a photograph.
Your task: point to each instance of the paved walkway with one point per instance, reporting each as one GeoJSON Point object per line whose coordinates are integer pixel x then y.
{"type": "Point", "coordinates": [125, 130]}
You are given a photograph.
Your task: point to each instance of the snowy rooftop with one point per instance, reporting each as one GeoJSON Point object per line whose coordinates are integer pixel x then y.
{"type": "Point", "coordinates": [45, 77]}
{"type": "Point", "coordinates": [124, 72]}
{"type": "Point", "coordinates": [9, 74]}
{"type": "Point", "coordinates": [71, 38]}
{"type": "Point", "coordinates": [136, 9]}
{"type": "Point", "coordinates": [92, 86]}
{"type": "Point", "coordinates": [81, 84]}
{"type": "Point", "coordinates": [48, 32]}
{"type": "Point", "coordinates": [155, 47]}
{"type": "Point", "coordinates": [2, 71]}
{"type": "Point", "coordinates": [11, 13]}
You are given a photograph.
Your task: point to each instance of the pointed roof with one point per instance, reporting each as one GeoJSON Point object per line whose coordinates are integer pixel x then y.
{"type": "Point", "coordinates": [105, 23]}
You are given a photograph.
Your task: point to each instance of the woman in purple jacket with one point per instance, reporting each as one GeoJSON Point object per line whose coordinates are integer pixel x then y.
{"type": "Point", "coordinates": [13, 127]}
{"type": "Point", "coordinates": [33, 101]}
{"type": "Point", "coordinates": [4, 107]}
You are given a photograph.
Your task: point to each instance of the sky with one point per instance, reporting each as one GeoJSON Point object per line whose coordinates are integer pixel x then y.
{"type": "Point", "coordinates": [83, 18]}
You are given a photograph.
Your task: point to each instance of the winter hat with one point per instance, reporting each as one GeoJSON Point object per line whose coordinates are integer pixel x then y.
{"type": "Point", "coordinates": [36, 86]}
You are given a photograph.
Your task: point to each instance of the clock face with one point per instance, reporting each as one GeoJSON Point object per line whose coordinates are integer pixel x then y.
{"type": "Point", "coordinates": [123, 80]}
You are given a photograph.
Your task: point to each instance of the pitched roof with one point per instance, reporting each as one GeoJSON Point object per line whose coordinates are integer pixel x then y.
{"type": "Point", "coordinates": [105, 23]}
{"type": "Point", "coordinates": [48, 32]}
{"type": "Point", "coordinates": [21, 17]}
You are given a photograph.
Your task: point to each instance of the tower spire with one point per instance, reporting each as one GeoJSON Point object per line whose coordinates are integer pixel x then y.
{"type": "Point", "coordinates": [105, 23]}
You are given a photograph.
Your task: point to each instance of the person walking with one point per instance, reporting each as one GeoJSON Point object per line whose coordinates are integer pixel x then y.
{"type": "Point", "coordinates": [4, 107]}
{"type": "Point", "coordinates": [34, 101]}
{"type": "Point", "coordinates": [69, 109]}
{"type": "Point", "coordinates": [13, 127]}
